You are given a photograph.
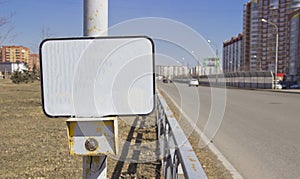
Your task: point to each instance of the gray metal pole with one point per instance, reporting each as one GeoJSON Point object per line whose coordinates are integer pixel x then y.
{"type": "Point", "coordinates": [276, 55]}
{"type": "Point", "coordinates": [276, 50]}
{"type": "Point", "coordinates": [95, 24]}
{"type": "Point", "coordinates": [95, 18]}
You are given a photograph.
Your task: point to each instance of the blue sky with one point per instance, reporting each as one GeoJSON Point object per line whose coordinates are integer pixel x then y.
{"type": "Point", "coordinates": [217, 20]}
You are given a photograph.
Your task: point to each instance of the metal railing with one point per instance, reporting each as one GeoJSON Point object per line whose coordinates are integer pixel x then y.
{"type": "Point", "coordinates": [254, 79]}
{"type": "Point", "coordinates": [179, 159]}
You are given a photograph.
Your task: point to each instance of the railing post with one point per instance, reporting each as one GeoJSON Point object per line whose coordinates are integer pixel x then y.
{"type": "Point", "coordinates": [175, 161]}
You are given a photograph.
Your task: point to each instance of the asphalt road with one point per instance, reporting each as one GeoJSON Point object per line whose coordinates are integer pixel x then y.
{"type": "Point", "coordinates": [260, 131]}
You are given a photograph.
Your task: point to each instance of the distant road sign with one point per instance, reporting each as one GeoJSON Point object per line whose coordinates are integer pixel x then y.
{"type": "Point", "coordinates": [97, 76]}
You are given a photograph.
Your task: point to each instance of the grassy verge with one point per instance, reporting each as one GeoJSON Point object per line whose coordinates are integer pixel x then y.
{"type": "Point", "coordinates": [32, 145]}
{"type": "Point", "coordinates": [35, 146]}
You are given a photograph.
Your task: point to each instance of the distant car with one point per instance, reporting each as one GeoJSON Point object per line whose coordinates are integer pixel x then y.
{"type": "Point", "coordinates": [278, 85]}
{"type": "Point", "coordinates": [165, 80]}
{"type": "Point", "coordinates": [170, 79]}
{"type": "Point", "coordinates": [193, 82]}
{"type": "Point", "coordinates": [295, 85]}
{"type": "Point", "coordinates": [284, 84]}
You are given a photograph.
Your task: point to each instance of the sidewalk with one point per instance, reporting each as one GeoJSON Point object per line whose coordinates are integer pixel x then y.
{"type": "Point", "coordinates": [294, 91]}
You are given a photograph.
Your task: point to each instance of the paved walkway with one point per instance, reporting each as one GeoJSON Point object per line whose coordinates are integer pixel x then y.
{"type": "Point", "coordinates": [297, 91]}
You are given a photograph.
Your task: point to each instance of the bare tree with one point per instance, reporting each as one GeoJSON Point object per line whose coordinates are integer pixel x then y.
{"type": "Point", "coordinates": [46, 33]}
{"type": "Point", "coordinates": [5, 27]}
{"type": "Point", "coordinates": [5, 35]}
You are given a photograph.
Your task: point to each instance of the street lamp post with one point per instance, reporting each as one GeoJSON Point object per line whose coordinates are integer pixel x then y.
{"type": "Point", "coordinates": [217, 52]}
{"type": "Point", "coordinates": [213, 44]}
{"type": "Point", "coordinates": [177, 67]}
{"type": "Point", "coordinates": [198, 63]}
{"type": "Point", "coordinates": [260, 68]}
{"type": "Point", "coordinates": [185, 68]}
{"type": "Point", "coordinates": [276, 50]}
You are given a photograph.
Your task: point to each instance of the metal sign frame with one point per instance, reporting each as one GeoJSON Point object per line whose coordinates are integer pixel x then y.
{"type": "Point", "coordinates": [94, 38]}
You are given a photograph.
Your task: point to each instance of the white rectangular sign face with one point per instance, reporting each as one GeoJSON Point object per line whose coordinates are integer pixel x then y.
{"type": "Point", "coordinates": [93, 77]}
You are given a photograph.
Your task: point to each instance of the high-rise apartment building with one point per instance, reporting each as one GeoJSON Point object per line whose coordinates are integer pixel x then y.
{"type": "Point", "coordinates": [250, 31]}
{"type": "Point", "coordinates": [246, 32]}
{"type": "Point", "coordinates": [294, 56]}
{"type": "Point", "coordinates": [15, 54]}
{"type": "Point", "coordinates": [233, 54]}
{"type": "Point", "coordinates": [260, 37]}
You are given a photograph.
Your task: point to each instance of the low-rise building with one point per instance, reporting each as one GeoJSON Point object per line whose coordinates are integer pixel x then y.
{"type": "Point", "coordinates": [7, 68]}
{"type": "Point", "coordinates": [172, 71]}
{"type": "Point", "coordinates": [34, 61]}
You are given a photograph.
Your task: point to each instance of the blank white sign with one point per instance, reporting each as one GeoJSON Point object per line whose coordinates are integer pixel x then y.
{"type": "Point", "coordinates": [93, 77]}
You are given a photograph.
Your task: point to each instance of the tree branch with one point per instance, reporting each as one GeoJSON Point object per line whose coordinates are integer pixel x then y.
{"type": "Point", "coordinates": [6, 34]}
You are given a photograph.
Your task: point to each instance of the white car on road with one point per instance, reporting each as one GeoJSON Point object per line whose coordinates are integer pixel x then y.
{"type": "Point", "coordinates": [193, 82]}
{"type": "Point", "coordinates": [278, 85]}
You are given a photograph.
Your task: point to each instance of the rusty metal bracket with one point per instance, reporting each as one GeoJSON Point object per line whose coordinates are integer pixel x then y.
{"type": "Point", "coordinates": [93, 136]}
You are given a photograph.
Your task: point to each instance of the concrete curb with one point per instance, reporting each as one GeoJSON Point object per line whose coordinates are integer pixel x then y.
{"type": "Point", "coordinates": [294, 91]}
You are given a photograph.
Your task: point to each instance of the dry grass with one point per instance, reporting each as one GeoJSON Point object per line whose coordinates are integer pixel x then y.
{"type": "Point", "coordinates": [35, 146]}
{"type": "Point", "coordinates": [138, 149]}
{"type": "Point", "coordinates": [32, 145]}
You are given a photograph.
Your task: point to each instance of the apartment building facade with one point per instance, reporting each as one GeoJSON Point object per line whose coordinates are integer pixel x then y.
{"type": "Point", "coordinates": [260, 37]}
{"type": "Point", "coordinates": [233, 54]}
{"type": "Point", "coordinates": [15, 54]}
{"type": "Point", "coordinates": [294, 55]}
